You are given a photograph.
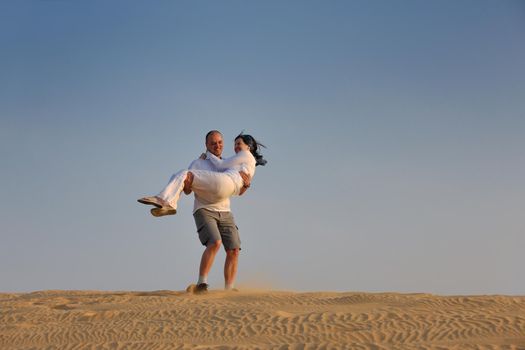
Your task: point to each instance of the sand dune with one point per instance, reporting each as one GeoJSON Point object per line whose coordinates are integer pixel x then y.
{"type": "Point", "coordinates": [259, 320]}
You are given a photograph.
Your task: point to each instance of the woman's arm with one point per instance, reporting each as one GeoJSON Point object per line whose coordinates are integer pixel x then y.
{"type": "Point", "coordinates": [222, 164]}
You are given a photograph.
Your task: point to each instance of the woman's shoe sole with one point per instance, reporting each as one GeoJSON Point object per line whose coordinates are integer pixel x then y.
{"type": "Point", "coordinates": [157, 212]}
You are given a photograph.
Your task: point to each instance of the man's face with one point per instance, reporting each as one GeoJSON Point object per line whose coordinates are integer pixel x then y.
{"type": "Point", "coordinates": [214, 144]}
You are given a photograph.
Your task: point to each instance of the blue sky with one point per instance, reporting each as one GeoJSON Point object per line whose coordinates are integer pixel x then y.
{"type": "Point", "coordinates": [395, 134]}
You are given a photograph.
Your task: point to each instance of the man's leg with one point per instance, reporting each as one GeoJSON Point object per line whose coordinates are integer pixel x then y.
{"type": "Point", "coordinates": [208, 256]}
{"type": "Point", "coordinates": [230, 268]}
{"type": "Point", "coordinates": [209, 235]}
{"type": "Point", "coordinates": [232, 245]}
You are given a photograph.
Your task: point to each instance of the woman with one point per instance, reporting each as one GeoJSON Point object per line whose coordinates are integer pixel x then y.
{"type": "Point", "coordinates": [214, 186]}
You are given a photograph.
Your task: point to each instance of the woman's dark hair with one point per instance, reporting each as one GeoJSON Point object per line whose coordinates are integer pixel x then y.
{"type": "Point", "coordinates": [254, 147]}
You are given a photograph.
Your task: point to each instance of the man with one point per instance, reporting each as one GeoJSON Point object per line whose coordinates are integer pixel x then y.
{"type": "Point", "coordinates": [215, 222]}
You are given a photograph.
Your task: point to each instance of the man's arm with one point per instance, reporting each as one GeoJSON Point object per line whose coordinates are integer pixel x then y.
{"type": "Point", "coordinates": [189, 178]}
{"type": "Point", "coordinates": [246, 182]}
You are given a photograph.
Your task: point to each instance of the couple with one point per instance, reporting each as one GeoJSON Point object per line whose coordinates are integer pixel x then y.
{"type": "Point", "coordinates": [213, 180]}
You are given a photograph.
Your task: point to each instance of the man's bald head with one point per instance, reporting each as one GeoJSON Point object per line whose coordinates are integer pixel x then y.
{"type": "Point", "coordinates": [214, 142]}
{"type": "Point", "coordinates": [212, 132]}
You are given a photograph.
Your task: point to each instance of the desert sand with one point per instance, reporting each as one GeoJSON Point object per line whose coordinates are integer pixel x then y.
{"type": "Point", "coordinates": [259, 320]}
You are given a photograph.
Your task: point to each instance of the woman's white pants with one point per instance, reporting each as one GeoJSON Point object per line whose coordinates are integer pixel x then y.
{"type": "Point", "coordinates": [211, 186]}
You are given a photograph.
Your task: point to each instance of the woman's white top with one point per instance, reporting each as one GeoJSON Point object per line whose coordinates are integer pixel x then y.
{"type": "Point", "coordinates": [242, 161]}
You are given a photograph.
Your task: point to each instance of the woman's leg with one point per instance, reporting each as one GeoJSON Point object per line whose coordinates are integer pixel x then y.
{"type": "Point", "coordinates": [209, 185]}
{"type": "Point", "coordinates": [212, 186]}
{"type": "Point", "coordinates": [171, 193]}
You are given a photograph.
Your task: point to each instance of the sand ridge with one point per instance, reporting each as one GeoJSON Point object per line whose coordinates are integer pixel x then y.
{"type": "Point", "coordinates": [259, 320]}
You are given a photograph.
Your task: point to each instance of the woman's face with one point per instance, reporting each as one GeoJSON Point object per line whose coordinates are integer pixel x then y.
{"type": "Point", "coordinates": [240, 146]}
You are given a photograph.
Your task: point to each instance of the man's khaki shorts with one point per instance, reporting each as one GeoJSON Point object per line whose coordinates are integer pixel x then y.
{"type": "Point", "coordinates": [214, 226]}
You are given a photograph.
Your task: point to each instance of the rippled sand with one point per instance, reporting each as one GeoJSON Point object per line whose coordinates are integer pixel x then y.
{"type": "Point", "coordinates": [259, 320]}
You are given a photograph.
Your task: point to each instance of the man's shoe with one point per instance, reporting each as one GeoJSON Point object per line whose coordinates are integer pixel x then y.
{"type": "Point", "coordinates": [201, 288]}
{"type": "Point", "coordinates": [157, 212]}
